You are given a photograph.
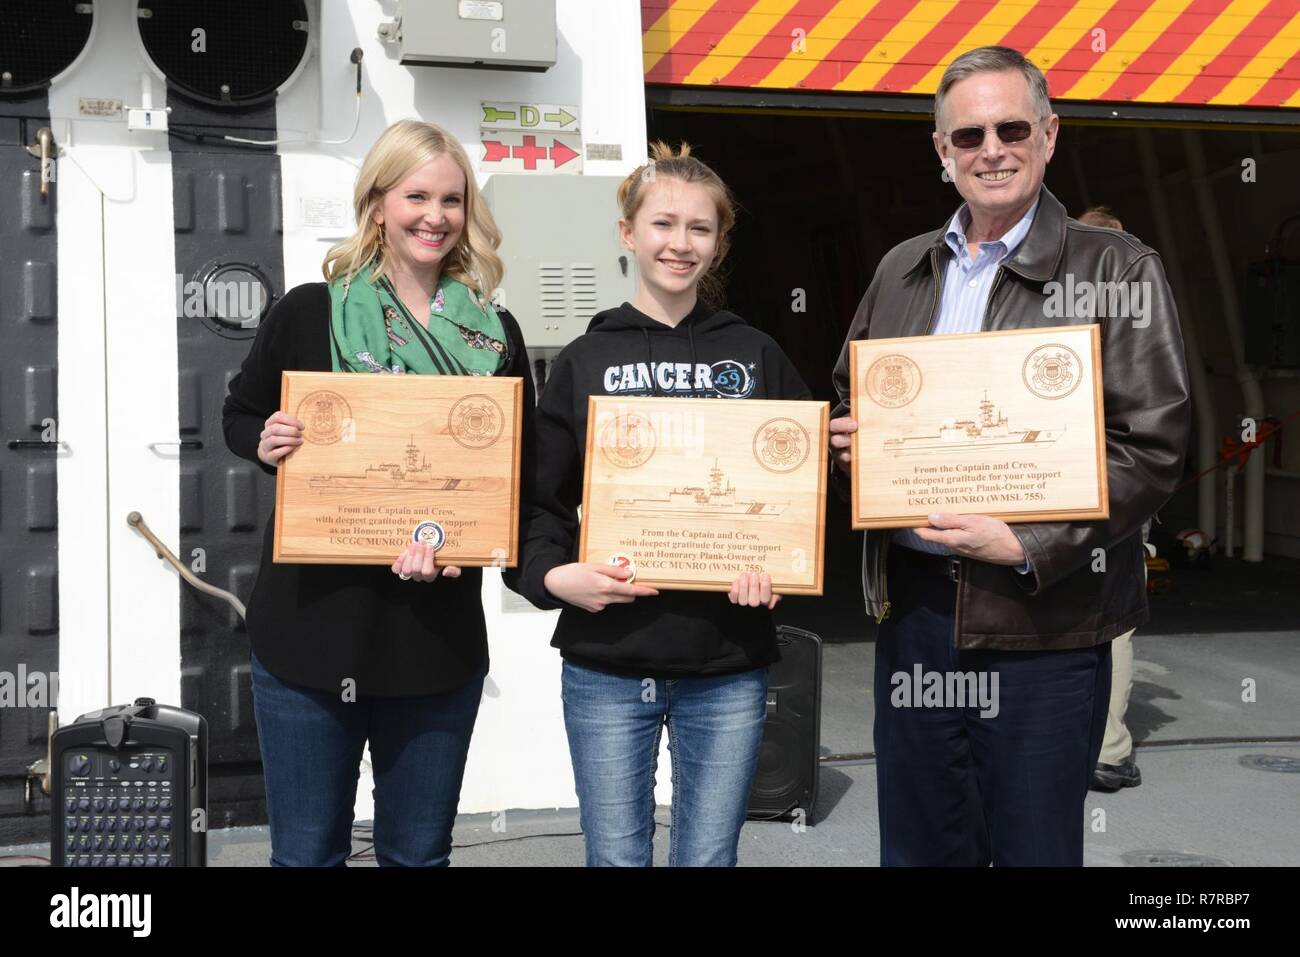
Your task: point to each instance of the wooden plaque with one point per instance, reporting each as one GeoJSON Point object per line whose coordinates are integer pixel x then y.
{"type": "Point", "coordinates": [696, 491]}
{"type": "Point", "coordinates": [1008, 424]}
{"type": "Point", "coordinates": [385, 455]}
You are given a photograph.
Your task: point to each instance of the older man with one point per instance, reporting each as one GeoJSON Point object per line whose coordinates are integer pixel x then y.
{"type": "Point", "coordinates": [1031, 607]}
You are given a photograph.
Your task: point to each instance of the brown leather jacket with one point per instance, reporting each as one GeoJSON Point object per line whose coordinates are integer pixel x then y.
{"type": "Point", "coordinates": [1063, 603]}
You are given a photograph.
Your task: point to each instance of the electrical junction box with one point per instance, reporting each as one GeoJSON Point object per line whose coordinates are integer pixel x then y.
{"type": "Point", "coordinates": [563, 259]}
{"type": "Point", "coordinates": [139, 119]}
{"type": "Point", "coordinates": [495, 34]}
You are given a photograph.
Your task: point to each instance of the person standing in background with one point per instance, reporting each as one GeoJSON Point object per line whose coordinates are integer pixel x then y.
{"type": "Point", "coordinates": [1115, 767]}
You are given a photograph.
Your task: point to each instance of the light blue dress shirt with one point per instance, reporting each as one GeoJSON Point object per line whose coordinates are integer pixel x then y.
{"type": "Point", "coordinates": [966, 286]}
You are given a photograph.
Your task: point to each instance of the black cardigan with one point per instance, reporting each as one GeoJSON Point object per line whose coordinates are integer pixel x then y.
{"type": "Point", "coordinates": [317, 625]}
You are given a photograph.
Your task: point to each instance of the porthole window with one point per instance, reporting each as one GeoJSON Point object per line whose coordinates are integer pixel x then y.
{"type": "Point", "coordinates": [231, 298]}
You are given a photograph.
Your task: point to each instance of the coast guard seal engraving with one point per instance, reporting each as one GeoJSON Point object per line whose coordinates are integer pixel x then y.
{"type": "Point", "coordinates": [1052, 371]}
{"type": "Point", "coordinates": [476, 421]}
{"type": "Point", "coordinates": [893, 381]}
{"type": "Point", "coordinates": [325, 414]}
{"type": "Point", "coordinates": [627, 441]}
{"type": "Point", "coordinates": [781, 445]}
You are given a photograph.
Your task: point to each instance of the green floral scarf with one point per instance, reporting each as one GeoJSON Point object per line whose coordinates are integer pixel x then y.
{"type": "Point", "coordinates": [373, 331]}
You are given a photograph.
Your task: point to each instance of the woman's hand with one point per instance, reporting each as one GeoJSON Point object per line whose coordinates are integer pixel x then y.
{"type": "Point", "coordinates": [418, 562]}
{"type": "Point", "coordinates": [592, 586]}
{"type": "Point", "coordinates": [281, 435]}
{"type": "Point", "coordinates": [753, 589]}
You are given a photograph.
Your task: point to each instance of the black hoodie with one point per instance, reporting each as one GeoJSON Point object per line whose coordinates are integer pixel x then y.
{"type": "Point", "coordinates": [707, 355]}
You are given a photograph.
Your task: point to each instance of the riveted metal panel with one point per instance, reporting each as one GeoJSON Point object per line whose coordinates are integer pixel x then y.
{"type": "Point", "coordinates": [41, 390]}
{"type": "Point", "coordinates": [37, 210]}
{"type": "Point", "coordinates": [42, 600]}
{"type": "Point", "coordinates": [38, 290]}
{"type": "Point", "coordinates": [227, 202]}
{"type": "Point", "coordinates": [241, 498]}
{"type": "Point", "coordinates": [232, 202]}
{"type": "Point", "coordinates": [42, 498]}
{"type": "Point", "coordinates": [183, 199]}
{"type": "Point", "coordinates": [241, 698]}
{"type": "Point", "coordinates": [240, 581]}
{"type": "Point", "coordinates": [191, 499]}
{"type": "Point", "coordinates": [29, 589]}
{"type": "Point", "coordinates": [190, 410]}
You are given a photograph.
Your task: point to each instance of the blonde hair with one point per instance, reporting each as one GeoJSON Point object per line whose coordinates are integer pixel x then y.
{"type": "Point", "coordinates": [681, 165]}
{"type": "Point", "coordinates": [400, 150]}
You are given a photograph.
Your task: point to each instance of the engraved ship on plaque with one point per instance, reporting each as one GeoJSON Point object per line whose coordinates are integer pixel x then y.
{"type": "Point", "coordinates": [414, 474]}
{"type": "Point", "coordinates": [967, 435]}
{"type": "Point", "coordinates": [695, 500]}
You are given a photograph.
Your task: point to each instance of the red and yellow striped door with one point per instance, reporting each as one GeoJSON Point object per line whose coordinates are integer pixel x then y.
{"type": "Point", "coordinates": [1216, 52]}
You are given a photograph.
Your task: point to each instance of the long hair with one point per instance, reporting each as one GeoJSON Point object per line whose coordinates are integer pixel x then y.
{"type": "Point", "coordinates": [681, 165]}
{"type": "Point", "coordinates": [400, 150]}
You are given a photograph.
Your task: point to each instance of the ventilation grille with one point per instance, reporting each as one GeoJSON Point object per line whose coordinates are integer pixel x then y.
{"type": "Point", "coordinates": [582, 290]}
{"type": "Point", "coordinates": [38, 41]}
{"type": "Point", "coordinates": [234, 52]}
{"type": "Point", "coordinates": [567, 291]}
{"type": "Point", "coordinates": [552, 289]}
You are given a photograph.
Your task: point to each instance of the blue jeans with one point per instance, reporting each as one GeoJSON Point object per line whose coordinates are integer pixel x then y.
{"type": "Point", "coordinates": [312, 743]}
{"type": "Point", "coordinates": [715, 729]}
{"type": "Point", "coordinates": [966, 786]}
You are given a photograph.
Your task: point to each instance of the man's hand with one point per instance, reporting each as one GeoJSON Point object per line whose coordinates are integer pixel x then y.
{"type": "Point", "coordinates": [841, 430]}
{"type": "Point", "coordinates": [975, 536]}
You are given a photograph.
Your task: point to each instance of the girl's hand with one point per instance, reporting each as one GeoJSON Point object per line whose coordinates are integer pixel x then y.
{"type": "Point", "coordinates": [753, 589]}
{"type": "Point", "coordinates": [418, 562]}
{"type": "Point", "coordinates": [281, 435]}
{"type": "Point", "coordinates": [841, 431]}
{"type": "Point", "coordinates": [592, 586]}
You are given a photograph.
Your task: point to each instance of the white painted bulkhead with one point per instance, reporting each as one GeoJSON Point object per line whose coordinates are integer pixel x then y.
{"type": "Point", "coordinates": [119, 606]}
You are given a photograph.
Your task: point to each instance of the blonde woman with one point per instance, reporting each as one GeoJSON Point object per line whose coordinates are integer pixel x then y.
{"type": "Point", "coordinates": [406, 294]}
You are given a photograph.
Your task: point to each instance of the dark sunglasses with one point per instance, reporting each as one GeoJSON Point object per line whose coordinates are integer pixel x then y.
{"type": "Point", "coordinates": [970, 137]}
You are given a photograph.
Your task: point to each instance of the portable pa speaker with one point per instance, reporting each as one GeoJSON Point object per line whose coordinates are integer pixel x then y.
{"type": "Point", "coordinates": [786, 779]}
{"type": "Point", "coordinates": [126, 782]}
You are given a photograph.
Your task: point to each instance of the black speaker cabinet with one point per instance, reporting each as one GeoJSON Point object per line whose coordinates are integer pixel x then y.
{"type": "Point", "coordinates": [126, 783]}
{"type": "Point", "coordinates": [786, 779]}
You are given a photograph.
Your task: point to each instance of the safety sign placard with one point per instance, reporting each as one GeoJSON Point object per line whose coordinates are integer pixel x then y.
{"type": "Point", "coordinates": [548, 117]}
{"type": "Point", "coordinates": [514, 151]}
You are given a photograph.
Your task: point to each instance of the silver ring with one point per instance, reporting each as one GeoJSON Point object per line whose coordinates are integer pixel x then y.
{"type": "Point", "coordinates": [404, 577]}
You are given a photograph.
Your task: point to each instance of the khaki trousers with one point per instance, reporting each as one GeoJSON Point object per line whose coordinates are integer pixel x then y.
{"type": "Point", "coordinates": [1118, 743]}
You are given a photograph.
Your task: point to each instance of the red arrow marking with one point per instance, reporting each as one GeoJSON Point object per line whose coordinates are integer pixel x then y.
{"type": "Point", "coordinates": [561, 154]}
{"type": "Point", "coordinates": [530, 152]}
{"type": "Point", "coordinates": [496, 151]}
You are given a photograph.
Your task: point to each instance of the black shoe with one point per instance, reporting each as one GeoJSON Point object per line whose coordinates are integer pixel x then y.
{"type": "Point", "coordinates": [1112, 777]}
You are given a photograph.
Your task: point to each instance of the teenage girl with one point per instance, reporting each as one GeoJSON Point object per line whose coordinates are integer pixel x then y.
{"type": "Point", "coordinates": [636, 660]}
